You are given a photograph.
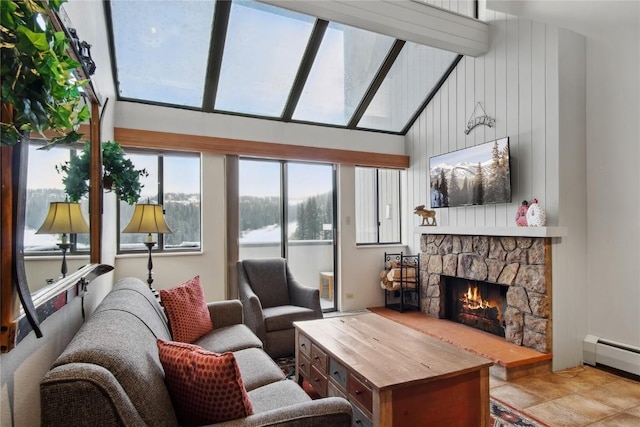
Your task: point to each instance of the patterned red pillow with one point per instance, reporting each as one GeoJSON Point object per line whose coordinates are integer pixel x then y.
{"type": "Point", "coordinates": [187, 310]}
{"type": "Point", "coordinates": [205, 387]}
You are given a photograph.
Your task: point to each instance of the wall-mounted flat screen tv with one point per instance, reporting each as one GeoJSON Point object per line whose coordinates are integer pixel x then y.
{"type": "Point", "coordinates": [477, 175]}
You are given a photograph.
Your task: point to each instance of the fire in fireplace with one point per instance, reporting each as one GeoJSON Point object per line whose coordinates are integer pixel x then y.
{"type": "Point", "coordinates": [476, 304]}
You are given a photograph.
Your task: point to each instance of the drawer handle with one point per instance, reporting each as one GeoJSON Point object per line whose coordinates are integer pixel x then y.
{"type": "Point", "coordinates": [358, 392]}
{"type": "Point", "coordinates": [302, 365]}
{"type": "Point", "coordinates": [358, 421]}
{"type": "Point", "coordinates": [317, 380]}
{"type": "Point", "coordinates": [317, 357]}
{"type": "Point", "coordinates": [303, 345]}
{"type": "Point", "coordinates": [336, 373]}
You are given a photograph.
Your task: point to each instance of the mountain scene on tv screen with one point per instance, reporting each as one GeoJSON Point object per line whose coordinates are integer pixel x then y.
{"type": "Point", "coordinates": [476, 176]}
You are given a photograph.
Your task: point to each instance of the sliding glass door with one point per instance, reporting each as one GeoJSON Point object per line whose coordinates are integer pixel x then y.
{"type": "Point", "coordinates": [287, 209]}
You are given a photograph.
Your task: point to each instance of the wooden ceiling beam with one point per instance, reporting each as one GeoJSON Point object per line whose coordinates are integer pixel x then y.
{"type": "Point", "coordinates": [210, 144]}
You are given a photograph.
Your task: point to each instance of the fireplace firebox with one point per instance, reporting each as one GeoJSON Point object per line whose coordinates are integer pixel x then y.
{"type": "Point", "coordinates": [478, 304]}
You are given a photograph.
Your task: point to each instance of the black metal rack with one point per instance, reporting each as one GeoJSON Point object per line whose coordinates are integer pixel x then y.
{"type": "Point", "coordinates": [404, 293]}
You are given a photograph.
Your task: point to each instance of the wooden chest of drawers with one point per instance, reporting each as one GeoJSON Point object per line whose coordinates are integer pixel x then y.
{"type": "Point", "coordinates": [391, 374]}
{"type": "Point", "coordinates": [328, 377]}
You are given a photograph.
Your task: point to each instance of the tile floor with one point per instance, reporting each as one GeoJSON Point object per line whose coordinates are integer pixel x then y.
{"type": "Point", "coordinates": [581, 396]}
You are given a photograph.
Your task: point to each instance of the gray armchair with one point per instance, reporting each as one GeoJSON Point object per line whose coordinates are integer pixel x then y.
{"type": "Point", "coordinates": [272, 300]}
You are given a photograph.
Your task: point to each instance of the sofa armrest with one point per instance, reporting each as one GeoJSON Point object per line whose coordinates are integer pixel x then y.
{"type": "Point", "coordinates": [225, 313]}
{"type": "Point", "coordinates": [81, 393]}
{"type": "Point", "coordinates": [253, 316]}
{"type": "Point", "coordinates": [329, 411]}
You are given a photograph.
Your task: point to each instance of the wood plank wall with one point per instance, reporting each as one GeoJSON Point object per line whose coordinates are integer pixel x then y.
{"type": "Point", "coordinates": [463, 7]}
{"type": "Point", "coordinates": [512, 83]}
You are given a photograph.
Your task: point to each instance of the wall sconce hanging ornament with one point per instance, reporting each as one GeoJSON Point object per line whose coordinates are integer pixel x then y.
{"type": "Point", "coordinates": [479, 120]}
{"type": "Point", "coordinates": [83, 50]}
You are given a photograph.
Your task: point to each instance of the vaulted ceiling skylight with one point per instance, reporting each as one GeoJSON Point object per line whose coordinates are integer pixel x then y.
{"type": "Point", "coordinates": [249, 58]}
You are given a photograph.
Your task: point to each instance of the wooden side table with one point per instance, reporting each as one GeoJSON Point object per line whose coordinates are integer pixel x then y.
{"type": "Point", "coordinates": [326, 281]}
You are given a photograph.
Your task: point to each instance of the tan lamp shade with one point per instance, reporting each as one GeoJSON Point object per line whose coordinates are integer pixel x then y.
{"type": "Point", "coordinates": [62, 218]}
{"type": "Point", "coordinates": [147, 218]}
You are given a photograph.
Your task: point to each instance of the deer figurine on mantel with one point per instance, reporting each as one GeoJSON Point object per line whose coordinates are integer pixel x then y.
{"type": "Point", "coordinates": [428, 215]}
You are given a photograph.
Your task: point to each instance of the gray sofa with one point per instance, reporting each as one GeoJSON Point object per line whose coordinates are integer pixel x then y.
{"type": "Point", "coordinates": [110, 373]}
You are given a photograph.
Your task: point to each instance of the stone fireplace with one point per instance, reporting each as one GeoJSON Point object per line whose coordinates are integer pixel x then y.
{"type": "Point", "coordinates": [522, 265]}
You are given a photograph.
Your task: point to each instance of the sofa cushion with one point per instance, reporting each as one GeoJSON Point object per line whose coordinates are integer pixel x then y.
{"type": "Point", "coordinates": [277, 395]}
{"type": "Point", "coordinates": [257, 368]}
{"type": "Point", "coordinates": [205, 387]}
{"type": "Point", "coordinates": [268, 278]}
{"type": "Point", "coordinates": [187, 310]}
{"type": "Point", "coordinates": [282, 317]}
{"type": "Point", "coordinates": [230, 338]}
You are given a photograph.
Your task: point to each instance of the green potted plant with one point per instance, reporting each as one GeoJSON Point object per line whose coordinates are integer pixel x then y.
{"type": "Point", "coordinates": [119, 174]}
{"type": "Point", "coordinates": [39, 90]}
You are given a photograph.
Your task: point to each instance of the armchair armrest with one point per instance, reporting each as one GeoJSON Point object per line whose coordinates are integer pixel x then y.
{"type": "Point", "coordinates": [304, 296]}
{"type": "Point", "coordinates": [329, 411]}
{"type": "Point", "coordinates": [225, 313]}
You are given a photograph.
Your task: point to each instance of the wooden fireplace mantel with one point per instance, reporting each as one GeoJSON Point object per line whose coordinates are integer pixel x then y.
{"type": "Point", "coordinates": [494, 231]}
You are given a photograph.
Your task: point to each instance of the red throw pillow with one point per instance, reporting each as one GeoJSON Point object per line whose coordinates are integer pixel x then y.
{"type": "Point", "coordinates": [206, 388]}
{"type": "Point", "coordinates": [187, 310]}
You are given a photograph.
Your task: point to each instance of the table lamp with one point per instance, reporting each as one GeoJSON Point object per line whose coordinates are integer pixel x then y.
{"type": "Point", "coordinates": [64, 218]}
{"type": "Point", "coordinates": [148, 218]}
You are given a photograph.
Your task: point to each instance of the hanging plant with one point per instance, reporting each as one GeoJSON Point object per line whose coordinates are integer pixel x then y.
{"type": "Point", "coordinates": [39, 91]}
{"type": "Point", "coordinates": [120, 174]}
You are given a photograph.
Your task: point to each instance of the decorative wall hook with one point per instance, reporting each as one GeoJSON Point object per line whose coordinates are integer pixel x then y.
{"type": "Point", "coordinates": [479, 120]}
{"type": "Point", "coordinates": [83, 51]}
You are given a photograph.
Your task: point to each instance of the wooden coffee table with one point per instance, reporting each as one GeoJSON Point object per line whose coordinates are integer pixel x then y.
{"type": "Point", "coordinates": [392, 374]}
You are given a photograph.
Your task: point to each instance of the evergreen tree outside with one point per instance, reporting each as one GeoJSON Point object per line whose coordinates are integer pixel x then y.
{"type": "Point", "coordinates": [311, 215]}
{"type": "Point", "coordinates": [182, 212]}
{"type": "Point", "coordinates": [258, 212]}
{"type": "Point", "coordinates": [314, 226]}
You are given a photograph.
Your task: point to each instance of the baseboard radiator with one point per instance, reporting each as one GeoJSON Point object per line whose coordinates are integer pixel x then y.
{"type": "Point", "coordinates": [599, 351]}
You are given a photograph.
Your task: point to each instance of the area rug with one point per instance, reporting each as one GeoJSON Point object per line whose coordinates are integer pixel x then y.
{"type": "Point", "coordinates": [502, 415]}
{"type": "Point", "coordinates": [288, 366]}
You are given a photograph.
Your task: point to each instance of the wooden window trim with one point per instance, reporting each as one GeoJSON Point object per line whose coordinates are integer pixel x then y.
{"type": "Point", "coordinates": [139, 138]}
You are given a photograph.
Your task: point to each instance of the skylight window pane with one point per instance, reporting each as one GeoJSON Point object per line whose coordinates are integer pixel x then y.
{"type": "Point", "coordinates": [263, 50]}
{"type": "Point", "coordinates": [411, 79]}
{"type": "Point", "coordinates": [161, 49]}
{"type": "Point", "coordinates": [346, 64]}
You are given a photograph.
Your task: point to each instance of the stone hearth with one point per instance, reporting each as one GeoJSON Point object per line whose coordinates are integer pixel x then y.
{"type": "Point", "coordinates": [523, 264]}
